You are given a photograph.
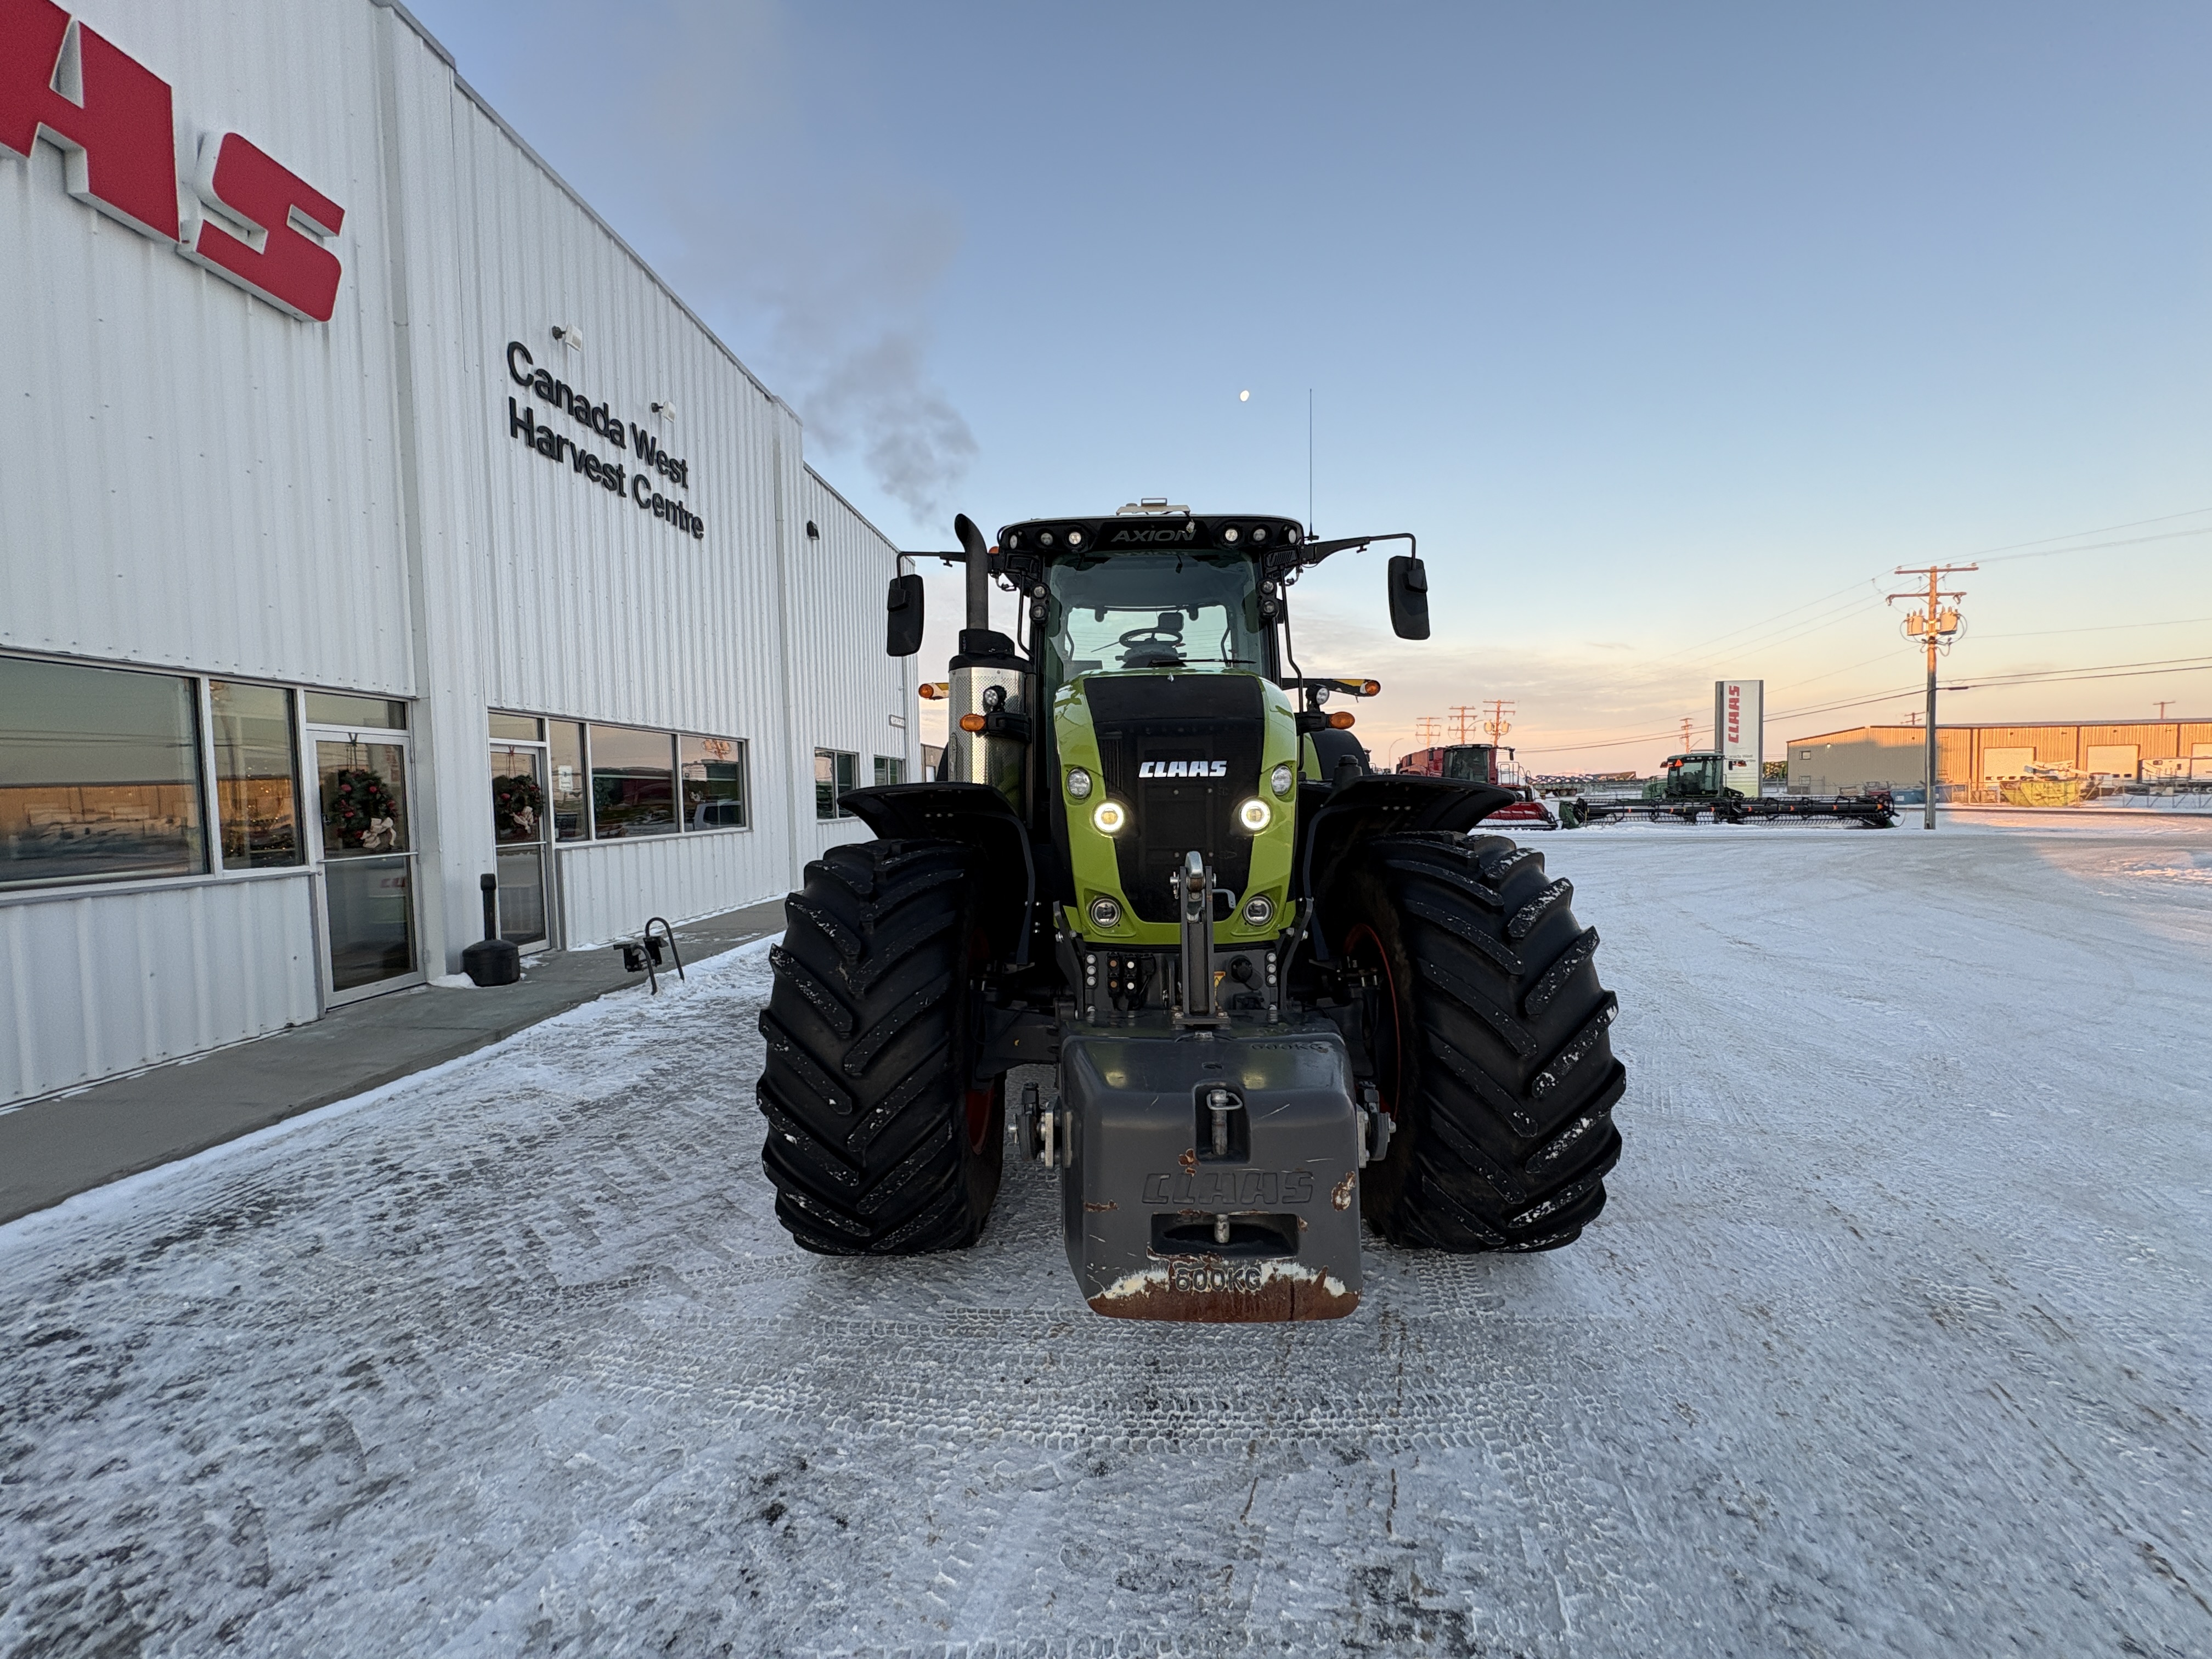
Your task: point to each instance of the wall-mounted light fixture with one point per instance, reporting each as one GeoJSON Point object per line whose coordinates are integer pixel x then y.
{"type": "Point", "coordinates": [665, 410]}
{"type": "Point", "coordinates": [570, 336]}
{"type": "Point", "coordinates": [813, 531]}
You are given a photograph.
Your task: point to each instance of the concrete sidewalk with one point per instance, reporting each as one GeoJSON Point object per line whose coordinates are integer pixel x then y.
{"type": "Point", "coordinates": [67, 1143]}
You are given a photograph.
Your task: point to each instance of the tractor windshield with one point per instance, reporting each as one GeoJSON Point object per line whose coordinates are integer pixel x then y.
{"type": "Point", "coordinates": [1169, 610]}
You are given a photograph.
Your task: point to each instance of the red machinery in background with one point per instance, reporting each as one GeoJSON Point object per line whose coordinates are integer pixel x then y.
{"type": "Point", "coordinates": [1485, 763]}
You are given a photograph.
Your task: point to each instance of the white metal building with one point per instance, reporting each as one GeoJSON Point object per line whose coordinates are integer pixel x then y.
{"type": "Point", "coordinates": [319, 602]}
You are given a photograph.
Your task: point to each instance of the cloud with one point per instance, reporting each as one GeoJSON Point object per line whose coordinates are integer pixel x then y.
{"type": "Point", "coordinates": [821, 266]}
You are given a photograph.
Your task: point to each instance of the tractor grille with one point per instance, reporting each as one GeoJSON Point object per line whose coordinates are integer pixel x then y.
{"type": "Point", "coordinates": [1178, 717]}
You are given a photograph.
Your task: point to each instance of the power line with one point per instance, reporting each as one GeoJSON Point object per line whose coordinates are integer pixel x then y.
{"type": "Point", "coordinates": [2098, 628]}
{"type": "Point", "coordinates": [2101, 530]}
{"type": "Point", "coordinates": [2060, 677]}
{"type": "Point", "coordinates": [2092, 547]}
{"type": "Point", "coordinates": [1985, 682]}
{"type": "Point", "coordinates": [2007, 550]}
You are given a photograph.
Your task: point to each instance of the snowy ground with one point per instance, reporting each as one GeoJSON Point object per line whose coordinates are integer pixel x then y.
{"type": "Point", "coordinates": [1893, 1340]}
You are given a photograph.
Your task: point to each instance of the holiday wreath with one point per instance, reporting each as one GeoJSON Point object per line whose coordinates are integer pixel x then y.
{"type": "Point", "coordinates": [359, 805]}
{"type": "Point", "coordinates": [518, 806]}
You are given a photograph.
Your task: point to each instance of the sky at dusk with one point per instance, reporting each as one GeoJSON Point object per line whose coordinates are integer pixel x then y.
{"type": "Point", "coordinates": [1670, 331]}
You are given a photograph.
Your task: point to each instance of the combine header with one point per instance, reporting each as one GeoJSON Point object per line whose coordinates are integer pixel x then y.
{"type": "Point", "coordinates": [1691, 786]}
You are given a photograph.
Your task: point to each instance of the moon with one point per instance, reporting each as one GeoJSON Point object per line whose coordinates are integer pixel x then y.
{"type": "Point", "coordinates": [1243, 396]}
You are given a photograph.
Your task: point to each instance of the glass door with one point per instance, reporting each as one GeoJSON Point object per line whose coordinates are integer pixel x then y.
{"type": "Point", "coordinates": [368, 859]}
{"type": "Point", "coordinates": [518, 820]}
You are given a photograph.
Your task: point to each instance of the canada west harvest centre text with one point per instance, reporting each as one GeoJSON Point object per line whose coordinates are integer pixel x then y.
{"type": "Point", "coordinates": [522, 423]}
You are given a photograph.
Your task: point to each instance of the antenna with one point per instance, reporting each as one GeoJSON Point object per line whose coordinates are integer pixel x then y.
{"type": "Point", "coordinates": [1310, 523]}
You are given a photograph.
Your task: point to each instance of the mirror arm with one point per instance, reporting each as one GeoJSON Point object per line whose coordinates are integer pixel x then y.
{"type": "Point", "coordinates": [1312, 553]}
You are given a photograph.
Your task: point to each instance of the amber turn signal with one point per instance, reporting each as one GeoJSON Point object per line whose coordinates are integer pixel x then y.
{"type": "Point", "coordinates": [932, 690]}
{"type": "Point", "coordinates": [1370, 688]}
{"type": "Point", "coordinates": [971, 722]}
{"type": "Point", "coordinates": [1341, 720]}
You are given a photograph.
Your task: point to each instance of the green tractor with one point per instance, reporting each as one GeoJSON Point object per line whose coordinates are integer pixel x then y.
{"type": "Point", "coordinates": [1280, 992]}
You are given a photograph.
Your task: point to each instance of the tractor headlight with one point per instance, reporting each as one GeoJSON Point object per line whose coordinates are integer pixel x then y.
{"type": "Point", "coordinates": [1109, 816]}
{"type": "Point", "coordinates": [1254, 815]}
{"type": "Point", "coordinates": [1280, 779]}
{"type": "Point", "coordinates": [1104, 913]}
{"type": "Point", "coordinates": [1078, 784]}
{"type": "Point", "coordinates": [1258, 909]}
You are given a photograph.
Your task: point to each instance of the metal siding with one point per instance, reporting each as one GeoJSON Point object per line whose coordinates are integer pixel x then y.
{"type": "Point", "coordinates": [544, 592]}
{"type": "Point", "coordinates": [98, 982]}
{"type": "Point", "coordinates": [213, 486]}
{"type": "Point", "coordinates": [611, 889]}
{"type": "Point", "coordinates": [847, 688]}
{"type": "Point", "coordinates": [201, 498]}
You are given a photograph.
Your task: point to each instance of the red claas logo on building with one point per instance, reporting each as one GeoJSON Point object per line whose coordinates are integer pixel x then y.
{"type": "Point", "coordinates": [110, 116]}
{"type": "Point", "coordinates": [1735, 713]}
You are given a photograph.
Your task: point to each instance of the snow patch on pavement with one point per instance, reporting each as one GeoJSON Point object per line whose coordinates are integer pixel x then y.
{"type": "Point", "coordinates": [1892, 1339]}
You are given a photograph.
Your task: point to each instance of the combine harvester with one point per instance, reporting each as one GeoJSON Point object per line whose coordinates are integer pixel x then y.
{"type": "Point", "coordinates": [1690, 785]}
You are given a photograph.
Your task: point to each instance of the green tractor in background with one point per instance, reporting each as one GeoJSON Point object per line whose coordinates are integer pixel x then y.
{"type": "Point", "coordinates": [1280, 992]}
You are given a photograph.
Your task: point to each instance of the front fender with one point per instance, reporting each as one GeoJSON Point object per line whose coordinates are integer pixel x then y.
{"type": "Point", "coordinates": [978, 817]}
{"type": "Point", "coordinates": [1388, 804]}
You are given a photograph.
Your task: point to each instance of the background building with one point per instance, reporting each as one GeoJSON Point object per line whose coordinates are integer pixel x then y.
{"type": "Point", "coordinates": [372, 520]}
{"type": "Point", "coordinates": [1975, 764]}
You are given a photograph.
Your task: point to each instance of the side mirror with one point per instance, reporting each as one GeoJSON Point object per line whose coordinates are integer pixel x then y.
{"type": "Point", "coordinates": [902, 617]}
{"type": "Point", "coordinates": [1409, 598]}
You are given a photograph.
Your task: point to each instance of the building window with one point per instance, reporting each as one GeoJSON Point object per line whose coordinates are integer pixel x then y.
{"type": "Point", "coordinates": [890, 769]}
{"type": "Point", "coordinates": [633, 782]}
{"type": "Point", "coordinates": [516, 728]}
{"type": "Point", "coordinates": [570, 798]}
{"type": "Point", "coordinates": [834, 773]}
{"type": "Point", "coordinates": [714, 770]}
{"type": "Point", "coordinates": [98, 774]}
{"type": "Point", "coordinates": [256, 775]}
{"type": "Point", "coordinates": [356, 713]}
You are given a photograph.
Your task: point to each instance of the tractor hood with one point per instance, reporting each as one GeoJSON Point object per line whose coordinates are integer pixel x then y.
{"type": "Point", "coordinates": [1183, 751]}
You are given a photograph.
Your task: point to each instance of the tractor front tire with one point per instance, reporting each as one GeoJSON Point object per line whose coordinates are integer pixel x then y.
{"type": "Point", "coordinates": [878, 1143]}
{"type": "Point", "coordinates": [1486, 1032]}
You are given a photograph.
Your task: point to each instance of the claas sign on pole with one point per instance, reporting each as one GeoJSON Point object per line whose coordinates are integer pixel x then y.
{"type": "Point", "coordinates": [1738, 729]}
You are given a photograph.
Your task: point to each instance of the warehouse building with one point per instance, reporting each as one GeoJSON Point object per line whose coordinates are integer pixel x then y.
{"type": "Point", "coordinates": [372, 520]}
{"type": "Point", "coordinates": [1986, 765]}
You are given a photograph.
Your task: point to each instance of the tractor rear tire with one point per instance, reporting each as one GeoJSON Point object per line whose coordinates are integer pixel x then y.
{"type": "Point", "coordinates": [1486, 1032]}
{"type": "Point", "coordinates": [877, 1142]}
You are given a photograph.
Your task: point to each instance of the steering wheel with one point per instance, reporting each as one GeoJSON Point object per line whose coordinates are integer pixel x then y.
{"type": "Point", "coordinates": [1154, 635]}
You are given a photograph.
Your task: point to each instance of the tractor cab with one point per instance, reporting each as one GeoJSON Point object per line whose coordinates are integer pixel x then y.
{"type": "Point", "coordinates": [1693, 777]}
{"type": "Point", "coordinates": [1128, 610]}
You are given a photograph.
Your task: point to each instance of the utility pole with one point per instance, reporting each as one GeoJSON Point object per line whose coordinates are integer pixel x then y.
{"type": "Point", "coordinates": [1426, 730]}
{"type": "Point", "coordinates": [1935, 625]}
{"type": "Point", "coordinates": [1686, 731]}
{"type": "Point", "coordinates": [1462, 722]}
{"type": "Point", "coordinates": [2164, 703]}
{"type": "Point", "coordinates": [1498, 725]}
